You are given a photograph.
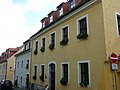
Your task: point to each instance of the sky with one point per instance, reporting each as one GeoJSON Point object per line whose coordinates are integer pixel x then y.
{"type": "Point", "coordinates": [20, 19]}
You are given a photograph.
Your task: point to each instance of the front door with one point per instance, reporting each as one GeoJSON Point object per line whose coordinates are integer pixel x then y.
{"type": "Point", "coordinates": [52, 76]}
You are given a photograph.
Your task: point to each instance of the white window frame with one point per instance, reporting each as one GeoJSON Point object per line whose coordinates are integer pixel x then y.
{"type": "Point", "coordinates": [84, 61]}
{"type": "Point", "coordinates": [61, 12]}
{"type": "Point", "coordinates": [34, 70]}
{"type": "Point", "coordinates": [116, 13]}
{"type": "Point", "coordinates": [51, 18]}
{"type": "Point", "coordinates": [55, 37]}
{"type": "Point", "coordinates": [78, 27]}
{"type": "Point", "coordinates": [61, 70]}
{"type": "Point", "coordinates": [41, 70]}
{"type": "Point", "coordinates": [62, 31]}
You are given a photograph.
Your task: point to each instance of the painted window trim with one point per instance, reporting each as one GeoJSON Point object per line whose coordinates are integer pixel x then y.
{"type": "Point", "coordinates": [78, 27]}
{"type": "Point", "coordinates": [116, 13]}
{"type": "Point", "coordinates": [34, 71]}
{"type": "Point", "coordinates": [62, 32]}
{"type": "Point", "coordinates": [41, 70]}
{"type": "Point", "coordinates": [55, 37]}
{"type": "Point", "coordinates": [61, 70]}
{"type": "Point", "coordinates": [84, 61]}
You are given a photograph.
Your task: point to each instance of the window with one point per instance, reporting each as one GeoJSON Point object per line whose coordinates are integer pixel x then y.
{"type": "Point", "coordinates": [27, 46]}
{"type": "Point", "coordinates": [52, 40]}
{"type": "Point", "coordinates": [22, 64]}
{"type": "Point", "coordinates": [82, 28]}
{"type": "Point", "coordinates": [21, 80]}
{"type": "Point", "coordinates": [35, 72]}
{"type": "Point", "coordinates": [84, 73]}
{"type": "Point", "coordinates": [36, 47]}
{"type": "Point", "coordinates": [65, 32]}
{"type": "Point", "coordinates": [65, 73]}
{"type": "Point", "coordinates": [4, 66]}
{"type": "Point", "coordinates": [43, 44]}
{"type": "Point", "coordinates": [18, 65]}
{"type": "Point", "coordinates": [118, 23]}
{"type": "Point", "coordinates": [42, 72]}
{"type": "Point", "coordinates": [43, 24]}
{"type": "Point", "coordinates": [72, 3]}
{"type": "Point", "coordinates": [61, 12]}
{"type": "Point", "coordinates": [27, 65]}
{"type": "Point", "coordinates": [65, 36]}
{"type": "Point", "coordinates": [51, 18]}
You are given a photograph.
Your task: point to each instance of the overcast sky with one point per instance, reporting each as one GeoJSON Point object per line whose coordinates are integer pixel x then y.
{"type": "Point", "coordinates": [19, 19]}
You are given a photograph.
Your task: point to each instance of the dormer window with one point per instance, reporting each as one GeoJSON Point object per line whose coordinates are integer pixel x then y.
{"type": "Point", "coordinates": [43, 24]}
{"type": "Point", "coordinates": [61, 12]}
{"type": "Point", "coordinates": [72, 3]}
{"type": "Point", "coordinates": [51, 18]}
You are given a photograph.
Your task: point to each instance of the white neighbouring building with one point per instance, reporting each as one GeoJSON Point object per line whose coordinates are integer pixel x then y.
{"type": "Point", "coordinates": [22, 67]}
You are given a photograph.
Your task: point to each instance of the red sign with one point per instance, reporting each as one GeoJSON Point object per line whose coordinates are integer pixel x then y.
{"type": "Point", "coordinates": [114, 58]}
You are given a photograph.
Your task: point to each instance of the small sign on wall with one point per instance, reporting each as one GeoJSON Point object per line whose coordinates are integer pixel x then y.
{"type": "Point", "coordinates": [114, 66]}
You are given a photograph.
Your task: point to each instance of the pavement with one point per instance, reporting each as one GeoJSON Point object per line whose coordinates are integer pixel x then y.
{"type": "Point", "coordinates": [16, 88]}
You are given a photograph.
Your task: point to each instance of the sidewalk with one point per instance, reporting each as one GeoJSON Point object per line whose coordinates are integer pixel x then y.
{"type": "Point", "coordinates": [16, 88]}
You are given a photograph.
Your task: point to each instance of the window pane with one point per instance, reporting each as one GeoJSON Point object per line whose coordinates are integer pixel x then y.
{"type": "Point", "coordinates": [84, 72]}
{"type": "Point", "coordinates": [42, 68]}
{"type": "Point", "coordinates": [53, 38]}
{"type": "Point", "coordinates": [65, 32]}
{"type": "Point", "coordinates": [83, 25]}
{"type": "Point", "coordinates": [36, 45]}
{"type": "Point", "coordinates": [43, 42]}
{"type": "Point", "coordinates": [65, 71]}
{"type": "Point", "coordinates": [35, 69]}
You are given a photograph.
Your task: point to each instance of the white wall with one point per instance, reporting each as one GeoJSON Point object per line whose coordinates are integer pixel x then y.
{"type": "Point", "coordinates": [21, 72]}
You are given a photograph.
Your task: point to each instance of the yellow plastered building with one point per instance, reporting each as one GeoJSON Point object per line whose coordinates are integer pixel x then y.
{"type": "Point", "coordinates": [73, 51]}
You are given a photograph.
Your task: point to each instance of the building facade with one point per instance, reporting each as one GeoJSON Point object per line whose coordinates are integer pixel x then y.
{"type": "Point", "coordinates": [72, 49]}
{"type": "Point", "coordinates": [11, 66]}
{"type": "Point", "coordinates": [22, 66]}
{"type": "Point", "coordinates": [4, 61]}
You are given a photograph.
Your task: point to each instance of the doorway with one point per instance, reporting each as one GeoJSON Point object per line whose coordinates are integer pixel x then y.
{"type": "Point", "coordinates": [52, 76]}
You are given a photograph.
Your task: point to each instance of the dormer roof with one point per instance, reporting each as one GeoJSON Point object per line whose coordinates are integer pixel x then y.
{"type": "Point", "coordinates": [59, 6]}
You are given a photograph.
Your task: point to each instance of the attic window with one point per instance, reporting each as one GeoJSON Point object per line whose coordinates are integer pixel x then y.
{"type": "Point", "coordinates": [61, 12]}
{"type": "Point", "coordinates": [72, 3]}
{"type": "Point", "coordinates": [43, 24]}
{"type": "Point", "coordinates": [51, 18]}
